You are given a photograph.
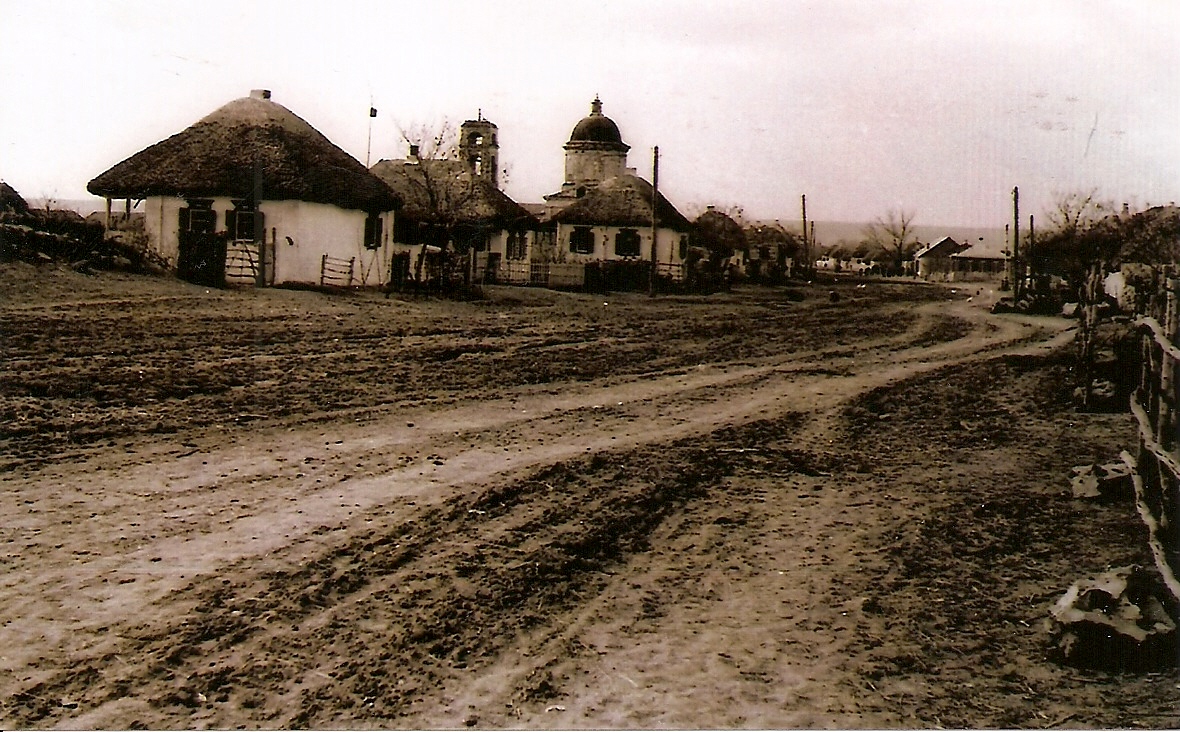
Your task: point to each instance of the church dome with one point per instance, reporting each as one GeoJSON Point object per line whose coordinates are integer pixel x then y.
{"type": "Point", "coordinates": [597, 127]}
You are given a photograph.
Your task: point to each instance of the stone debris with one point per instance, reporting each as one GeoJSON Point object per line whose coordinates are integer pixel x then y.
{"type": "Point", "coordinates": [1111, 481]}
{"type": "Point", "coordinates": [1114, 621]}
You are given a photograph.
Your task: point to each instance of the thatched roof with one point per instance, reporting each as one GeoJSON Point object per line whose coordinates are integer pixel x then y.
{"type": "Point", "coordinates": [457, 194]}
{"type": "Point", "coordinates": [10, 200]}
{"type": "Point", "coordinates": [718, 232]}
{"type": "Point", "coordinates": [624, 200]}
{"type": "Point", "coordinates": [218, 156]}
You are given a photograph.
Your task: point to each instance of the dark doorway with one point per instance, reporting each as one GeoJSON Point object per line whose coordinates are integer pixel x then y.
{"type": "Point", "coordinates": [201, 258]}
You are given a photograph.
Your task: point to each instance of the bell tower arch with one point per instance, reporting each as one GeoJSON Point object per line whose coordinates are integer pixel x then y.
{"type": "Point", "coordinates": [480, 149]}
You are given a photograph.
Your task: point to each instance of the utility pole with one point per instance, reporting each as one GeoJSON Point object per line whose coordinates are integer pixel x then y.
{"type": "Point", "coordinates": [1032, 234]}
{"type": "Point", "coordinates": [655, 197]}
{"type": "Point", "coordinates": [369, 144]}
{"type": "Point", "coordinates": [1017, 275]}
{"type": "Point", "coordinates": [807, 263]}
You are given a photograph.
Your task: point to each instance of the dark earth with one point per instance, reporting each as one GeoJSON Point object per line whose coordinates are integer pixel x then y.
{"type": "Point", "coordinates": [280, 508]}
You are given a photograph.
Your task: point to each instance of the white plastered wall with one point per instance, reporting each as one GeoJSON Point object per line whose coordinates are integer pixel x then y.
{"type": "Point", "coordinates": [313, 229]}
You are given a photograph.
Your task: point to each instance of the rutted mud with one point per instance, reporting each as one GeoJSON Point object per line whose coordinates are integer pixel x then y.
{"type": "Point", "coordinates": [554, 512]}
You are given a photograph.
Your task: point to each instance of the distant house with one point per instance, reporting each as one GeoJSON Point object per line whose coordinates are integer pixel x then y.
{"type": "Point", "coordinates": [448, 203]}
{"type": "Point", "coordinates": [253, 193]}
{"type": "Point", "coordinates": [978, 263]}
{"type": "Point", "coordinates": [772, 251]}
{"type": "Point", "coordinates": [934, 260]}
{"type": "Point", "coordinates": [723, 238]}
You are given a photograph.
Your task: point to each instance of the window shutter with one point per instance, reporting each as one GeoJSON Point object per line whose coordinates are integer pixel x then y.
{"type": "Point", "coordinates": [184, 225]}
{"type": "Point", "coordinates": [259, 226]}
{"type": "Point", "coordinates": [231, 223]}
{"type": "Point", "coordinates": [370, 225]}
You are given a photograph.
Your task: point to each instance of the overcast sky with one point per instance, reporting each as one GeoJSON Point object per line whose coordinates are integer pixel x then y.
{"type": "Point", "coordinates": [937, 107]}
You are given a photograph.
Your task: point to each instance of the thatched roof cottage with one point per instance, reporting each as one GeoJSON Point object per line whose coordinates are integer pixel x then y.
{"type": "Point", "coordinates": [613, 221]}
{"type": "Point", "coordinates": [255, 193]}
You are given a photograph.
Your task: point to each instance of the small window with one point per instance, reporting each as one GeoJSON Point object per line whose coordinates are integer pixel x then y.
{"type": "Point", "coordinates": [199, 217]}
{"type": "Point", "coordinates": [373, 226]}
{"type": "Point", "coordinates": [516, 245]}
{"type": "Point", "coordinates": [243, 222]}
{"type": "Point", "coordinates": [627, 243]}
{"type": "Point", "coordinates": [582, 240]}
{"type": "Point", "coordinates": [403, 229]}
{"type": "Point", "coordinates": [477, 164]}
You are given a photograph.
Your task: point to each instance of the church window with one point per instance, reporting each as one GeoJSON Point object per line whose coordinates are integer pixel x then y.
{"type": "Point", "coordinates": [582, 240]}
{"type": "Point", "coordinates": [627, 243]}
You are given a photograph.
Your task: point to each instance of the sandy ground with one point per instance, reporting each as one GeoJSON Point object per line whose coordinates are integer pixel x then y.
{"type": "Point", "coordinates": [544, 510]}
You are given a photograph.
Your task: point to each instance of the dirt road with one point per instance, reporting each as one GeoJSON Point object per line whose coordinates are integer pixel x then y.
{"type": "Point", "coordinates": [680, 537]}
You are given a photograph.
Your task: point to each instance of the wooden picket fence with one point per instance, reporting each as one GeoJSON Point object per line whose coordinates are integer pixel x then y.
{"type": "Point", "coordinates": [337, 272]}
{"type": "Point", "coordinates": [1156, 406]}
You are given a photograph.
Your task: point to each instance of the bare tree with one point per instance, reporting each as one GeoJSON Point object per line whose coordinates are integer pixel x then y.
{"type": "Point", "coordinates": [438, 189]}
{"type": "Point", "coordinates": [1075, 239]}
{"type": "Point", "coordinates": [1073, 213]}
{"type": "Point", "coordinates": [894, 234]}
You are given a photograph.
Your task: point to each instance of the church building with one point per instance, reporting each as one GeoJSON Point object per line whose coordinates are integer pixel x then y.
{"type": "Point", "coordinates": [603, 211]}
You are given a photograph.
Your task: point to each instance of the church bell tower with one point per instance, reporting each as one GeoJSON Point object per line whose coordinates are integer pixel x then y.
{"type": "Point", "coordinates": [479, 149]}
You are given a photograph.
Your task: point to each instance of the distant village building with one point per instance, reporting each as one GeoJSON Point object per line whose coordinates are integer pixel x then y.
{"type": "Point", "coordinates": [773, 251]}
{"type": "Point", "coordinates": [253, 193]}
{"type": "Point", "coordinates": [949, 261]}
{"type": "Point", "coordinates": [934, 260]}
{"type": "Point", "coordinates": [976, 263]}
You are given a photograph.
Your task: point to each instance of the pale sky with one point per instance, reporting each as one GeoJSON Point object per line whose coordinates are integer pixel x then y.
{"type": "Point", "coordinates": [937, 107]}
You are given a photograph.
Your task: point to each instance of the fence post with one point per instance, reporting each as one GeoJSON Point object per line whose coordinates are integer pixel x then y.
{"type": "Point", "coordinates": [1166, 431]}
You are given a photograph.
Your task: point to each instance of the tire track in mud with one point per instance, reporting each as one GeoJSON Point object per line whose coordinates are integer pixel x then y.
{"type": "Point", "coordinates": [403, 610]}
{"type": "Point", "coordinates": [548, 550]}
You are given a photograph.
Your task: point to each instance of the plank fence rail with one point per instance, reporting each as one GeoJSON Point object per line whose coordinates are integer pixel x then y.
{"type": "Point", "coordinates": [1156, 406]}
{"type": "Point", "coordinates": [337, 272]}
{"type": "Point", "coordinates": [242, 262]}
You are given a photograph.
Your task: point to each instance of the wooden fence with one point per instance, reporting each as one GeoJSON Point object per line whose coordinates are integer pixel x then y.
{"type": "Point", "coordinates": [337, 272]}
{"type": "Point", "coordinates": [593, 276]}
{"type": "Point", "coordinates": [1156, 406]}
{"type": "Point", "coordinates": [557, 275]}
